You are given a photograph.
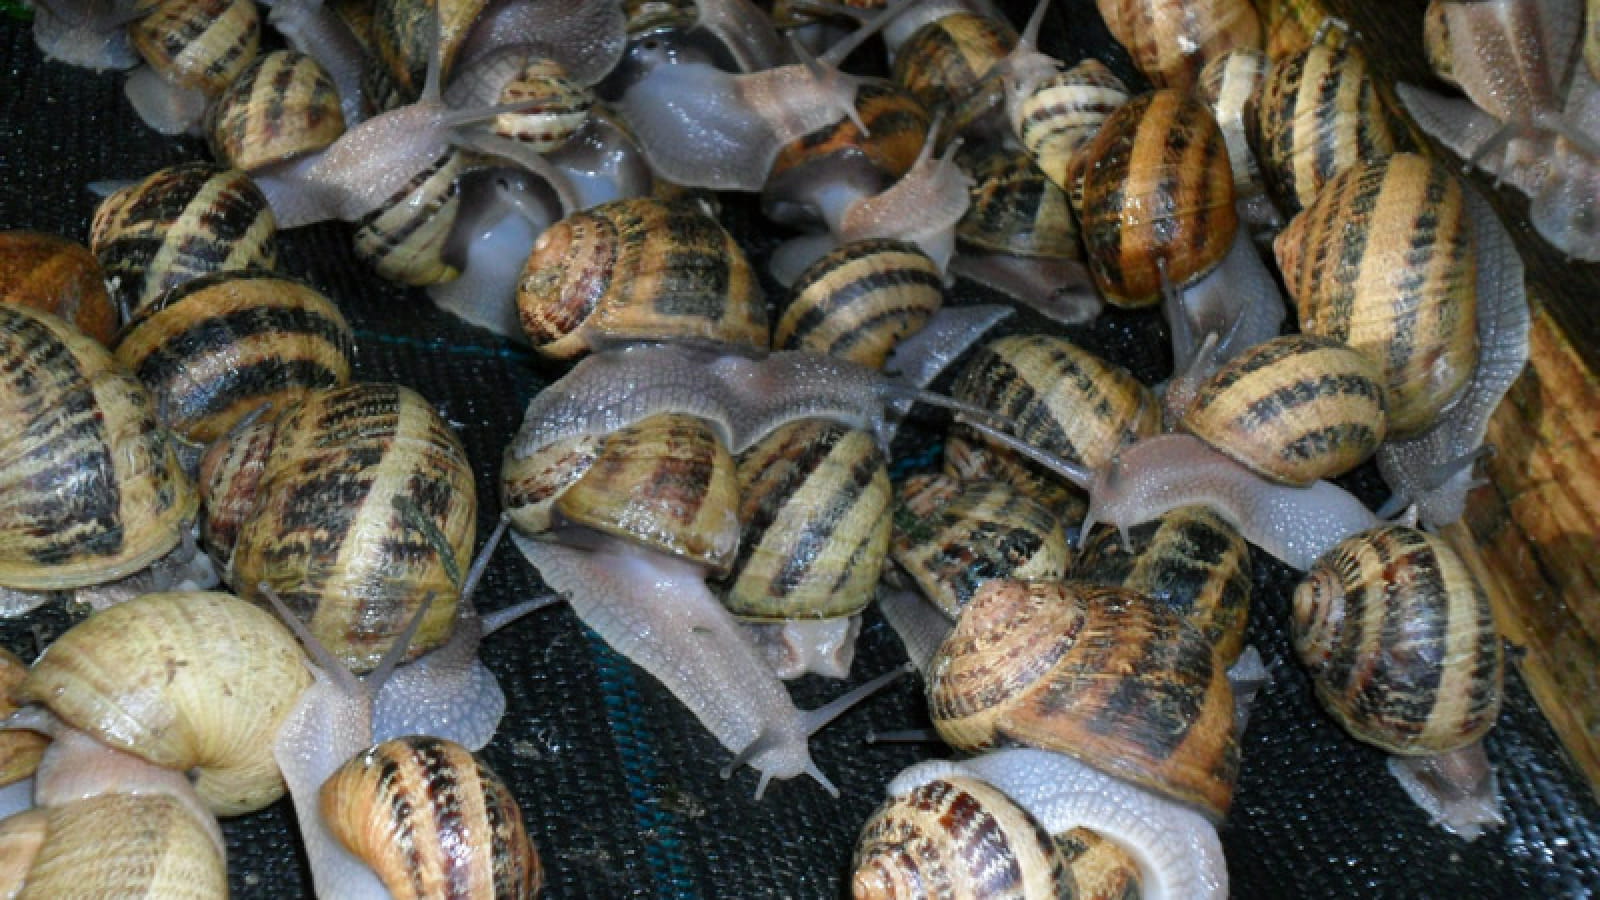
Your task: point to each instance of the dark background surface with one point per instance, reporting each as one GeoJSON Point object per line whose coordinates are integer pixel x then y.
{"type": "Point", "coordinates": [619, 785]}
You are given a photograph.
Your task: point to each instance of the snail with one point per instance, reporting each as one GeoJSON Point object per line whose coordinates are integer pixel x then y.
{"type": "Point", "coordinates": [177, 223]}
{"type": "Point", "coordinates": [1099, 673]}
{"type": "Point", "coordinates": [1058, 118]}
{"type": "Point", "coordinates": [1401, 645]}
{"type": "Point", "coordinates": [1172, 42]}
{"type": "Point", "coordinates": [91, 34]}
{"type": "Point", "coordinates": [295, 501]}
{"type": "Point", "coordinates": [193, 49]}
{"type": "Point", "coordinates": [19, 750]}
{"type": "Point", "coordinates": [315, 29]}
{"type": "Point", "coordinates": [955, 820]}
{"type": "Point", "coordinates": [943, 53]}
{"type": "Point", "coordinates": [280, 106]}
{"type": "Point", "coordinates": [59, 276]}
{"type": "Point", "coordinates": [1227, 85]}
{"type": "Point", "coordinates": [76, 423]}
{"type": "Point", "coordinates": [860, 300]}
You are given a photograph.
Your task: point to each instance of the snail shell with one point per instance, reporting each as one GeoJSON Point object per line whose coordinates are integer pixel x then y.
{"type": "Point", "coordinates": [1227, 85]}
{"type": "Point", "coordinates": [554, 106]}
{"type": "Point", "coordinates": [1400, 642]}
{"type": "Point", "coordinates": [943, 62]}
{"type": "Point", "coordinates": [178, 223]}
{"type": "Point", "coordinates": [1098, 673]}
{"type": "Point", "coordinates": [323, 500]}
{"type": "Point", "coordinates": [1191, 560]}
{"type": "Point", "coordinates": [403, 36]}
{"type": "Point", "coordinates": [860, 300]}
{"type": "Point", "coordinates": [1170, 42]}
{"type": "Point", "coordinates": [896, 124]}
{"type": "Point", "coordinates": [1017, 211]}
{"type": "Point", "coordinates": [76, 423]}
{"type": "Point", "coordinates": [215, 348]}
{"type": "Point", "coordinates": [404, 238]}
{"type": "Point", "coordinates": [1157, 198]}
{"type": "Point", "coordinates": [19, 750]}
{"type": "Point", "coordinates": [1383, 260]}
{"type": "Point", "coordinates": [639, 269]}
{"type": "Point", "coordinates": [1317, 114]}
{"type": "Point", "coordinates": [1294, 409]}
{"type": "Point", "coordinates": [814, 508]}
{"type": "Point", "coordinates": [59, 276]}
{"type": "Point", "coordinates": [194, 49]}
{"type": "Point", "coordinates": [952, 536]}
{"type": "Point", "coordinates": [433, 821]}
{"type": "Point", "coordinates": [281, 106]}
{"type": "Point", "coordinates": [194, 681]}
{"type": "Point", "coordinates": [1062, 114]}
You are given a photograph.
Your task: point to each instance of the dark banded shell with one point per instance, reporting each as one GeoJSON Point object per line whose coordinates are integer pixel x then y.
{"type": "Point", "coordinates": [559, 106]}
{"type": "Point", "coordinates": [1316, 115]}
{"type": "Point", "coordinates": [200, 44]}
{"type": "Point", "coordinates": [58, 276]}
{"type": "Point", "coordinates": [1063, 114]}
{"type": "Point", "coordinates": [1190, 560]}
{"type": "Point", "coordinates": [1384, 261]}
{"type": "Point", "coordinates": [1101, 868]}
{"type": "Point", "coordinates": [1157, 198]}
{"type": "Point", "coordinates": [404, 239]}
{"type": "Point", "coordinates": [213, 349]}
{"type": "Point", "coordinates": [1062, 399]}
{"type": "Point", "coordinates": [860, 300]}
{"type": "Point", "coordinates": [897, 126]}
{"type": "Point", "coordinates": [1294, 409]}
{"type": "Point", "coordinates": [968, 458]}
{"type": "Point", "coordinates": [1016, 210]}
{"type": "Point", "coordinates": [666, 482]}
{"type": "Point", "coordinates": [952, 536]}
{"type": "Point", "coordinates": [814, 511]}
{"type": "Point", "coordinates": [1098, 673]}
{"type": "Point", "coordinates": [1290, 25]}
{"type": "Point", "coordinates": [337, 526]}
{"type": "Point", "coordinates": [1172, 40]}
{"type": "Point", "coordinates": [639, 269]}
{"type": "Point", "coordinates": [433, 822]}
{"type": "Point", "coordinates": [178, 223]}
{"type": "Point", "coordinates": [942, 63]}
{"type": "Point", "coordinates": [91, 488]}
{"type": "Point", "coordinates": [403, 34]}
{"type": "Point", "coordinates": [957, 838]}
{"type": "Point", "coordinates": [1400, 642]}
{"type": "Point", "coordinates": [281, 106]}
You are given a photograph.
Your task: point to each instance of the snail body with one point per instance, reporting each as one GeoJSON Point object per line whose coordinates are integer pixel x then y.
{"type": "Point", "coordinates": [90, 34]}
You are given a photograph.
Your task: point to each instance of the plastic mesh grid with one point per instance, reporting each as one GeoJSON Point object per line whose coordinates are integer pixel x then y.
{"type": "Point", "coordinates": [619, 785]}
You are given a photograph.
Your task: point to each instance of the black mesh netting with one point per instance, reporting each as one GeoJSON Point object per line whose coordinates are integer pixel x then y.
{"type": "Point", "coordinates": [618, 784]}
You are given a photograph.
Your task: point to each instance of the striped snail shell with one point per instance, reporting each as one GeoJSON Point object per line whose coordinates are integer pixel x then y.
{"type": "Point", "coordinates": [860, 300]}
{"type": "Point", "coordinates": [180, 222]}
{"type": "Point", "coordinates": [1016, 210]}
{"type": "Point", "coordinates": [1062, 114]}
{"type": "Point", "coordinates": [639, 269]}
{"type": "Point", "coordinates": [1227, 85]}
{"type": "Point", "coordinates": [433, 821]}
{"type": "Point", "coordinates": [281, 106]}
{"type": "Point", "coordinates": [666, 481]}
{"type": "Point", "coordinates": [968, 458]}
{"type": "Point", "coordinates": [19, 750]}
{"type": "Point", "coordinates": [1400, 642]}
{"type": "Point", "coordinates": [1384, 260]}
{"type": "Point", "coordinates": [1436, 41]}
{"type": "Point", "coordinates": [1098, 673]}
{"type": "Point", "coordinates": [404, 238]}
{"type": "Point", "coordinates": [1170, 42]}
{"type": "Point", "coordinates": [77, 423]}
{"type": "Point", "coordinates": [1291, 25]}
{"type": "Point", "coordinates": [554, 106]}
{"type": "Point", "coordinates": [1316, 115]}
{"type": "Point", "coordinates": [1295, 409]}
{"type": "Point", "coordinates": [952, 536]}
{"type": "Point", "coordinates": [322, 506]}
{"type": "Point", "coordinates": [194, 49]}
{"type": "Point", "coordinates": [217, 347]}
{"type": "Point", "coordinates": [196, 682]}
{"type": "Point", "coordinates": [1191, 560]}
{"type": "Point", "coordinates": [57, 275]}
{"type": "Point", "coordinates": [1157, 198]}
{"type": "Point", "coordinates": [943, 62]}
{"type": "Point", "coordinates": [403, 36]}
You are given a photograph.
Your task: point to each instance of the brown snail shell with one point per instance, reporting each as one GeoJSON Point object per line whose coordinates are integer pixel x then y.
{"type": "Point", "coordinates": [197, 682]}
{"type": "Point", "coordinates": [1291, 25]}
{"type": "Point", "coordinates": [638, 269]}
{"type": "Point", "coordinates": [432, 821]}
{"type": "Point", "coordinates": [1157, 198]}
{"type": "Point", "coordinates": [1316, 115]}
{"type": "Point", "coordinates": [1294, 409]}
{"type": "Point", "coordinates": [331, 492]}
{"type": "Point", "coordinates": [968, 458]}
{"type": "Point", "coordinates": [1016, 210]}
{"type": "Point", "coordinates": [59, 276]}
{"type": "Point", "coordinates": [1098, 673]}
{"type": "Point", "coordinates": [404, 239]}
{"type": "Point", "coordinates": [1191, 560]}
{"type": "Point", "coordinates": [1384, 261]}
{"type": "Point", "coordinates": [896, 124]}
{"type": "Point", "coordinates": [215, 348]}
{"type": "Point", "coordinates": [178, 223]}
{"type": "Point", "coordinates": [19, 750]}
{"type": "Point", "coordinates": [943, 62]}
{"type": "Point", "coordinates": [814, 508]}
{"type": "Point", "coordinates": [953, 536]}
{"type": "Point", "coordinates": [1227, 85]}
{"type": "Point", "coordinates": [666, 482]}
{"type": "Point", "coordinates": [200, 44]}
{"type": "Point", "coordinates": [281, 106]}
{"type": "Point", "coordinates": [860, 300]}
{"type": "Point", "coordinates": [76, 422]}
{"type": "Point", "coordinates": [1062, 115]}
{"type": "Point", "coordinates": [403, 36]}
{"type": "Point", "coordinates": [1400, 642]}
{"type": "Point", "coordinates": [1170, 42]}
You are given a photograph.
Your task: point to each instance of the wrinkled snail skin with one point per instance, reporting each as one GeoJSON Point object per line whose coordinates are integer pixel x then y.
{"type": "Point", "coordinates": [1178, 852]}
